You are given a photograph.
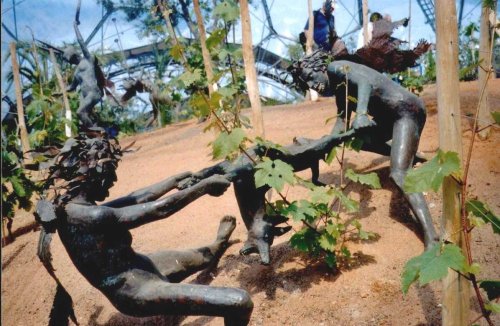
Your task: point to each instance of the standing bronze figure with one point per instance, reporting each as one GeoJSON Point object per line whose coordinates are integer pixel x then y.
{"type": "Point", "coordinates": [398, 117]}
{"type": "Point", "coordinates": [88, 75]}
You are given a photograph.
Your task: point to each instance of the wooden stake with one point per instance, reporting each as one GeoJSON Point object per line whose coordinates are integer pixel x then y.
{"type": "Point", "coordinates": [310, 30]}
{"type": "Point", "coordinates": [23, 132]}
{"type": "Point", "coordinates": [62, 86]}
{"type": "Point", "coordinates": [485, 64]}
{"type": "Point", "coordinates": [365, 21]}
{"type": "Point", "coordinates": [311, 94]}
{"type": "Point", "coordinates": [455, 287]}
{"type": "Point", "coordinates": [250, 73]}
{"type": "Point", "coordinates": [204, 51]}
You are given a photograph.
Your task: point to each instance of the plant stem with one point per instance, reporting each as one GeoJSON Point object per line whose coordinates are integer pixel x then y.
{"type": "Point", "coordinates": [465, 222]}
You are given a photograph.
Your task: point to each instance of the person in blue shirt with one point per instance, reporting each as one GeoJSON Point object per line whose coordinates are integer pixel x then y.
{"type": "Point", "coordinates": [325, 36]}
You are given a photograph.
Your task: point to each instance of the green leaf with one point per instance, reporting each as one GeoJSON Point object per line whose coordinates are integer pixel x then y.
{"type": "Point", "coordinates": [346, 252]}
{"type": "Point", "coordinates": [432, 265]}
{"type": "Point", "coordinates": [355, 144]}
{"type": "Point", "coordinates": [321, 195]}
{"type": "Point", "coordinates": [480, 210]}
{"type": "Point", "coordinates": [432, 173]}
{"type": "Point", "coordinates": [189, 78]}
{"type": "Point", "coordinates": [176, 52]}
{"type": "Point", "coordinates": [331, 259]}
{"type": "Point", "coordinates": [331, 156]}
{"type": "Point", "coordinates": [476, 221]}
{"type": "Point", "coordinates": [493, 307]}
{"type": "Point", "coordinates": [327, 242]}
{"type": "Point", "coordinates": [492, 288]}
{"type": "Point", "coordinates": [349, 204]}
{"type": "Point", "coordinates": [215, 38]}
{"type": "Point", "coordinates": [475, 268]}
{"type": "Point", "coordinates": [370, 179]}
{"type": "Point", "coordinates": [303, 240]}
{"type": "Point", "coordinates": [227, 144]}
{"type": "Point", "coordinates": [333, 229]}
{"type": "Point", "coordinates": [301, 211]}
{"type": "Point", "coordinates": [227, 11]}
{"type": "Point", "coordinates": [363, 235]}
{"type": "Point", "coordinates": [17, 185]}
{"type": "Point", "coordinates": [228, 92]}
{"type": "Point", "coordinates": [199, 103]}
{"type": "Point", "coordinates": [274, 174]}
{"type": "Point", "coordinates": [496, 117]}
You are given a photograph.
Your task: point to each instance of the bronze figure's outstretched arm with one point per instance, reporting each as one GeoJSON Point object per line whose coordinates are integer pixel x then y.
{"type": "Point", "coordinates": [149, 193]}
{"type": "Point", "coordinates": [79, 37]}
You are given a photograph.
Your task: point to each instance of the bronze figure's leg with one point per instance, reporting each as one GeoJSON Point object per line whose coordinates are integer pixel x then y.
{"type": "Point", "coordinates": [146, 294]}
{"type": "Point", "coordinates": [87, 104]}
{"type": "Point", "coordinates": [406, 136]}
{"type": "Point", "coordinates": [177, 265]}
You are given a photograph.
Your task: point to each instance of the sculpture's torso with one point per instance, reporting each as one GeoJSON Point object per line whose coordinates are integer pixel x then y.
{"type": "Point", "coordinates": [101, 253]}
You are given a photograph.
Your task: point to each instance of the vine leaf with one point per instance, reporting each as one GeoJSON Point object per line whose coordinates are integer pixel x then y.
{"type": "Point", "coordinates": [432, 265]}
{"type": "Point", "coordinates": [215, 38]}
{"type": "Point", "coordinates": [322, 195]}
{"type": "Point", "coordinates": [349, 204]}
{"type": "Point", "coordinates": [189, 78]}
{"type": "Point", "coordinates": [176, 52]}
{"type": "Point", "coordinates": [432, 173]}
{"type": "Point", "coordinates": [303, 240]}
{"type": "Point", "coordinates": [327, 242]}
{"type": "Point", "coordinates": [227, 11]}
{"type": "Point", "coordinates": [496, 117]}
{"type": "Point", "coordinates": [494, 307]}
{"type": "Point", "coordinates": [227, 143]}
{"type": "Point", "coordinates": [18, 186]}
{"type": "Point", "coordinates": [274, 174]}
{"type": "Point", "coordinates": [482, 211]}
{"type": "Point", "coordinates": [331, 156]}
{"type": "Point", "coordinates": [492, 288]}
{"type": "Point", "coordinates": [370, 179]}
{"type": "Point", "coordinates": [300, 211]}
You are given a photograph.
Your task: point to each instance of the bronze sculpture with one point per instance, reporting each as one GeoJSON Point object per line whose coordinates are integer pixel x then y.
{"type": "Point", "coordinates": [398, 117]}
{"type": "Point", "coordinates": [98, 240]}
{"type": "Point", "coordinates": [88, 75]}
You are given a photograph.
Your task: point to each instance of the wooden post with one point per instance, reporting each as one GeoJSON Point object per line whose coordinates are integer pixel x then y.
{"type": "Point", "coordinates": [250, 73]}
{"type": "Point", "coordinates": [62, 86]}
{"type": "Point", "coordinates": [455, 287]}
{"type": "Point", "coordinates": [312, 94]}
{"type": "Point", "coordinates": [365, 21]}
{"type": "Point", "coordinates": [204, 51]}
{"type": "Point", "coordinates": [23, 132]}
{"type": "Point", "coordinates": [310, 30]}
{"type": "Point", "coordinates": [485, 64]}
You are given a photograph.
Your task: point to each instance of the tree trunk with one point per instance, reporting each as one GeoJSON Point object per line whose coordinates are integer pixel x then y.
{"type": "Point", "coordinates": [485, 62]}
{"type": "Point", "coordinates": [455, 287]}
{"type": "Point", "coordinates": [60, 81]}
{"type": "Point", "coordinates": [203, 40]}
{"type": "Point", "coordinates": [250, 73]}
{"type": "Point", "coordinates": [23, 132]}
{"type": "Point", "coordinates": [365, 22]}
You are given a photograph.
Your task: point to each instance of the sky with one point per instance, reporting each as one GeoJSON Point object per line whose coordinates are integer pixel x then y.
{"type": "Point", "coordinates": [52, 21]}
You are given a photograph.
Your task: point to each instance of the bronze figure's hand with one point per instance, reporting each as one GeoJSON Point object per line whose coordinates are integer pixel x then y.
{"type": "Point", "coordinates": [362, 121]}
{"type": "Point", "coordinates": [216, 185]}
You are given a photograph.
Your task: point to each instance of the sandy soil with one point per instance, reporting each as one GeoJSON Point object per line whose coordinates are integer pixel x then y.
{"type": "Point", "coordinates": [293, 290]}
